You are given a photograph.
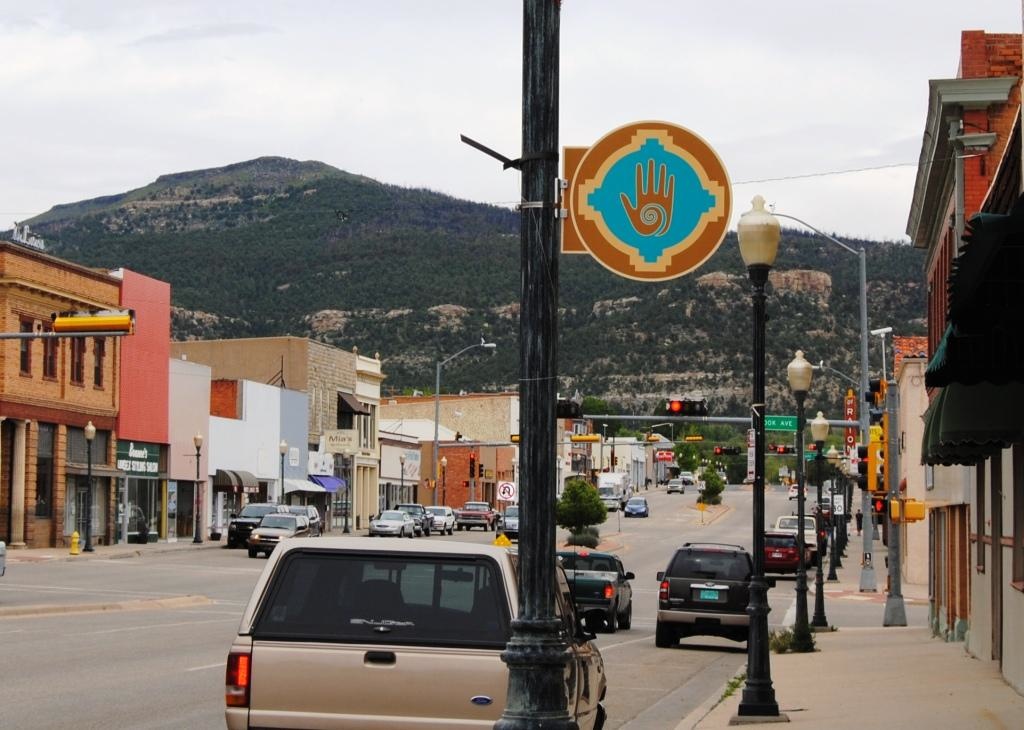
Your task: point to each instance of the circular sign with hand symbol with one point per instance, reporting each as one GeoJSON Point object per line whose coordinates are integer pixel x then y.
{"type": "Point", "coordinates": [650, 201]}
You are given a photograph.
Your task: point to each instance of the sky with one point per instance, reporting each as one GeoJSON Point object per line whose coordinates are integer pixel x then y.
{"type": "Point", "coordinates": [818, 106]}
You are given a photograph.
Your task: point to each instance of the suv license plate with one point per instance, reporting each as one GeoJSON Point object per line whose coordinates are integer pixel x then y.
{"type": "Point", "coordinates": [708, 595]}
{"type": "Point", "coordinates": [776, 555]}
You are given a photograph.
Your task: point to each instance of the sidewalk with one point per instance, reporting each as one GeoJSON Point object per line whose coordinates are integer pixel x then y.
{"type": "Point", "coordinates": [873, 676]}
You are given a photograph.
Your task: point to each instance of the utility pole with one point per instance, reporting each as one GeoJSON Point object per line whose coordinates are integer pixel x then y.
{"type": "Point", "coordinates": [895, 611]}
{"type": "Point", "coordinates": [537, 654]}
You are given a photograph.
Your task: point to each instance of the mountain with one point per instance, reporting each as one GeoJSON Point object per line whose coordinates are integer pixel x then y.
{"type": "Point", "coordinates": [275, 246]}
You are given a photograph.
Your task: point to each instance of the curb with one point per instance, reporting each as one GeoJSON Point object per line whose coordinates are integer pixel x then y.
{"type": "Point", "coordinates": [113, 552]}
{"type": "Point", "coordinates": [705, 708]}
{"type": "Point", "coordinates": [141, 604]}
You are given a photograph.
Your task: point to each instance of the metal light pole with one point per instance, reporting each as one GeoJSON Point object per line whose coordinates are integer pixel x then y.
{"type": "Point", "coordinates": [90, 434]}
{"type": "Point", "coordinates": [283, 448]}
{"type": "Point", "coordinates": [401, 478]}
{"type": "Point", "coordinates": [347, 504]}
{"type": "Point", "coordinates": [799, 373]}
{"type": "Point", "coordinates": [837, 546]}
{"type": "Point", "coordinates": [833, 557]}
{"type": "Point", "coordinates": [867, 571]}
{"type": "Point", "coordinates": [819, 432]}
{"type": "Point", "coordinates": [895, 610]}
{"type": "Point", "coordinates": [444, 480]}
{"type": "Point", "coordinates": [537, 654]}
{"type": "Point", "coordinates": [197, 502]}
{"type": "Point", "coordinates": [437, 401]}
{"type": "Point", "coordinates": [758, 234]}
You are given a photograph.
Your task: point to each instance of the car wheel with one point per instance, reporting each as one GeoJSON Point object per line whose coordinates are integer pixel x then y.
{"type": "Point", "coordinates": [626, 619]}
{"type": "Point", "coordinates": [611, 622]}
{"type": "Point", "coordinates": [252, 552]}
{"type": "Point", "coordinates": [451, 530]}
{"type": "Point", "coordinates": [664, 636]}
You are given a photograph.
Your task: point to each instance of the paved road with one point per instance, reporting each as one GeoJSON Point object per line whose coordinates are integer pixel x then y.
{"type": "Point", "coordinates": [162, 666]}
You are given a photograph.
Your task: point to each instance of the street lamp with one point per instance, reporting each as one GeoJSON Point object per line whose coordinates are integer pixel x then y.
{"type": "Point", "coordinates": [283, 448]}
{"type": "Point", "coordinates": [197, 503]}
{"type": "Point", "coordinates": [799, 373]}
{"type": "Point", "coordinates": [444, 480]}
{"type": "Point", "coordinates": [832, 456]}
{"type": "Point", "coordinates": [758, 234]}
{"type": "Point", "coordinates": [437, 399]}
{"type": "Point", "coordinates": [90, 434]}
{"type": "Point", "coordinates": [819, 432]}
{"type": "Point", "coordinates": [401, 478]}
{"type": "Point", "coordinates": [867, 571]}
{"type": "Point", "coordinates": [347, 504]}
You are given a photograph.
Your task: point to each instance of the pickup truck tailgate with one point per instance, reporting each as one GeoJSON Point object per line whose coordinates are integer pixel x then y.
{"type": "Point", "coordinates": [471, 695]}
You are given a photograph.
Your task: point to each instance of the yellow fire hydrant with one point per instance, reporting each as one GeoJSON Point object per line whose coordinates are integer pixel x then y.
{"type": "Point", "coordinates": [74, 543]}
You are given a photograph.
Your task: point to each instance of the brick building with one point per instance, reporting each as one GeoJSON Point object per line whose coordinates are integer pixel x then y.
{"type": "Point", "coordinates": [50, 389]}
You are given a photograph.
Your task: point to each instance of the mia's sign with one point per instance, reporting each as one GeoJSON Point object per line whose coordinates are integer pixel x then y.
{"type": "Point", "coordinates": [650, 201]}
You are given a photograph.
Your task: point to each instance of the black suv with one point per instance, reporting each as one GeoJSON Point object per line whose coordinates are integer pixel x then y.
{"type": "Point", "coordinates": [423, 519]}
{"type": "Point", "coordinates": [242, 524]}
{"type": "Point", "coordinates": [704, 591]}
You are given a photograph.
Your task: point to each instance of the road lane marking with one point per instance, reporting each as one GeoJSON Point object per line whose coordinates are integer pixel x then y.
{"type": "Point", "coordinates": [624, 643]}
{"type": "Point", "coordinates": [147, 627]}
{"type": "Point", "coordinates": [218, 665]}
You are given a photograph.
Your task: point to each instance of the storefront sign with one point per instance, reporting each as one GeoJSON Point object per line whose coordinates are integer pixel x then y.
{"type": "Point", "coordinates": [138, 459]}
{"type": "Point", "coordinates": [341, 441]}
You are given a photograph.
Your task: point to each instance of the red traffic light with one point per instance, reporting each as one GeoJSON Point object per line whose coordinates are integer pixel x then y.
{"type": "Point", "coordinates": [718, 451]}
{"type": "Point", "coordinates": [687, 407]}
{"type": "Point", "coordinates": [878, 506]}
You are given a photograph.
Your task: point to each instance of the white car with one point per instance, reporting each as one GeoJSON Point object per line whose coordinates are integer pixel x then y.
{"type": "Point", "coordinates": [393, 522]}
{"type": "Point", "coordinates": [675, 485]}
{"type": "Point", "coordinates": [444, 519]}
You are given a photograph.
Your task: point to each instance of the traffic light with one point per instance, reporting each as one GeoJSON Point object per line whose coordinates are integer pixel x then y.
{"type": "Point", "coordinates": [480, 470]}
{"type": "Point", "coordinates": [785, 449]}
{"type": "Point", "coordinates": [472, 465]}
{"type": "Point", "coordinates": [875, 398]}
{"type": "Point", "coordinates": [731, 450]}
{"type": "Point", "coordinates": [107, 321]}
{"type": "Point", "coordinates": [687, 407]}
{"type": "Point", "coordinates": [568, 409]}
{"type": "Point", "coordinates": [862, 466]}
{"type": "Point", "coordinates": [878, 505]}
{"type": "Point", "coordinates": [584, 437]}
{"type": "Point", "coordinates": [719, 450]}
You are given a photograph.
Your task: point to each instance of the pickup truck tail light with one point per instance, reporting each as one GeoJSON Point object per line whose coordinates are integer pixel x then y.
{"type": "Point", "coordinates": [663, 591]}
{"type": "Point", "coordinates": [237, 679]}
{"type": "Point", "coordinates": [609, 590]}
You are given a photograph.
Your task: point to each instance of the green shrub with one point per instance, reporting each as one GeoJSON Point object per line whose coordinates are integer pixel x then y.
{"type": "Point", "coordinates": [583, 539]}
{"type": "Point", "coordinates": [579, 507]}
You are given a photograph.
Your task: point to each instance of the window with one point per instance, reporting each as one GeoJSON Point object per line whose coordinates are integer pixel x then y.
{"type": "Point", "coordinates": [50, 346]}
{"type": "Point", "coordinates": [346, 419]}
{"type": "Point", "coordinates": [26, 348]}
{"type": "Point", "coordinates": [979, 516]}
{"type": "Point", "coordinates": [78, 360]}
{"type": "Point", "coordinates": [44, 469]}
{"type": "Point", "coordinates": [99, 351]}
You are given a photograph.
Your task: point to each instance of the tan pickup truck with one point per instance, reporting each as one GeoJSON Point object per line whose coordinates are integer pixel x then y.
{"type": "Point", "coordinates": [344, 632]}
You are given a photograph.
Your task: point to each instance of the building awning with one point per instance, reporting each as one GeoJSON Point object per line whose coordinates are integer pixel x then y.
{"type": "Point", "coordinates": [329, 483]}
{"type": "Point", "coordinates": [966, 424]}
{"type": "Point", "coordinates": [235, 480]}
{"type": "Point", "coordinates": [302, 485]}
{"type": "Point", "coordinates": [982, 341]}
{"type": "Point", "coordinates": [351, 404]}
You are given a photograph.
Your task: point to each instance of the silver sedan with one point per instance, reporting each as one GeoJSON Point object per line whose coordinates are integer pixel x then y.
{"type": "Point", "coordinates": [393, 522]}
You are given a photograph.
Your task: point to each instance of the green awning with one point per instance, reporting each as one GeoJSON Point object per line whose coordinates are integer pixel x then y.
{"type": "Point", "coordinates": [966, 424]}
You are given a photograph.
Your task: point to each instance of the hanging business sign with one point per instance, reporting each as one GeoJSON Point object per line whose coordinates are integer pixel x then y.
{"type": "Point", "coordinates": [850, 414]}
{"type": "Point", "coordinates": [341, 441]}
{"type": "Point", "coordinates": [650, 201]}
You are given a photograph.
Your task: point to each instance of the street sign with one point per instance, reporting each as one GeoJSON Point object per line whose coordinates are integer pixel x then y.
{"type": "Point", "coordinates": [780, 423]}
{"type": "Point", "coordinates": [650, 201]}
{"type": "Point", "coordinates": [507, 492]}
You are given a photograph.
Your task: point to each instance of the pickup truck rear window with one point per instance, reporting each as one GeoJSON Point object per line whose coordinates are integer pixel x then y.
{"type": "Point", "coordinates": [392, 599]}
{"type": "Point", "coordinates": [710, 566]}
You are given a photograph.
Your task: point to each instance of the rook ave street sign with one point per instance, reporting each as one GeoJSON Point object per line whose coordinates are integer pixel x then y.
{"type": "Point", "coordinates": [780, 423]}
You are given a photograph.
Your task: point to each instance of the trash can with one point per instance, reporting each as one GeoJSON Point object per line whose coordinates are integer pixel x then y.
{"type": "Point", "coordinates": [3, 557]}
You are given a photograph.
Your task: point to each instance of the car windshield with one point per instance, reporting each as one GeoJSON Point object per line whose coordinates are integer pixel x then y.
{"type": "Point", "coordinates": [606, 491]}
{"type": "Point", "coordinates": [257, 510]}
{"type": "Point", "coordinates": [636, 502]}
{"type": "Point", "coordinates": [393, 514]}
{"type": "Point", "coordinates": [779, 541]}
{"type": "Point", "coordinates": [286, 522]}
{"type": "Point", "coordinates": [439, 511]}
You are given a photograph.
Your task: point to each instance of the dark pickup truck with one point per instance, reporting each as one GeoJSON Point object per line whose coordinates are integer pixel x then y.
{"type": "Point", "coordinates": [600, 587]}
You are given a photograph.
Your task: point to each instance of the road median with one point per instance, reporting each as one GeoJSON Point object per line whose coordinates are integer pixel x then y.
{"type": "Point", "coordinates": [140, 604]}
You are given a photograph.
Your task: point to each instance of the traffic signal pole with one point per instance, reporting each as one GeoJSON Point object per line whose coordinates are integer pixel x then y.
{"type": "Point", "coordinates": [895, 611]}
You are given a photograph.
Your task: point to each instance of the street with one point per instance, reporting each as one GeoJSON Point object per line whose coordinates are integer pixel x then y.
{"type": "Point", "coordinates": [155, 657]}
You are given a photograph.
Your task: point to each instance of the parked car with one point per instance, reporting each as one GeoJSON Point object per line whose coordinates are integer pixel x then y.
{"type": "Point", "coordinates": [704, 591]}
{"type": "Point", "coordinates": [273, 528]}
{"type": "Point", "coordinates": [477, 514]}
{"type": "Point", "coordinates": [782, 553]}
{"type": "Point", "coordinates": [510, 522]}
{"type": "Point", "coordinates": [789, 523]}
{"type": "Point", "coordinates": [316, 525]}
{"type": "Point", "coordinates": [241, 525]}
{"type": "Point", "coordinates": [444, 519]}
{"type": "Point", "coordinates": [600, 587]}
{"type": "Point", "coordinates": [637, 507]}
{"type": "Point", "coordinates": [675, 485]}
{"type": "Point", "coordinates": [423, 519]}
{"type": "Point", "coordinates": [329, 618]}
{"type": "Point", "coordinates": [393, 522]}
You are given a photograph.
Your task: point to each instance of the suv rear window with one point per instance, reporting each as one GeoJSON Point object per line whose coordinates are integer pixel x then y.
{"type": "Point", "coordinates": [257, 510]}
{"type": "Point", "coordinates": [780, 541]}
{"type": "Point", "coordinates": [710, 565]}
{"type": "Point", "coordinates": [394, 599]}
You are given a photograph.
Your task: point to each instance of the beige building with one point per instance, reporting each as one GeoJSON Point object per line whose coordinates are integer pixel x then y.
{"type": "Point", "coordinates": [344, 399]}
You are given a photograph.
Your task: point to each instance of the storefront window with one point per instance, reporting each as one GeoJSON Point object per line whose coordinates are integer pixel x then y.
{"type": "Point", "coordinates": [44, 469]}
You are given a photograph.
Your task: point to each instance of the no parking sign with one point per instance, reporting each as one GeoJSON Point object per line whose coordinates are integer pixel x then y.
{"type": "Point", "coordinates": [508, 492]}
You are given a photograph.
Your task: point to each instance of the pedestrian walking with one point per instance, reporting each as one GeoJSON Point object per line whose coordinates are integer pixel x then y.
{"type": "Point", "coordinates": [860, 520]}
